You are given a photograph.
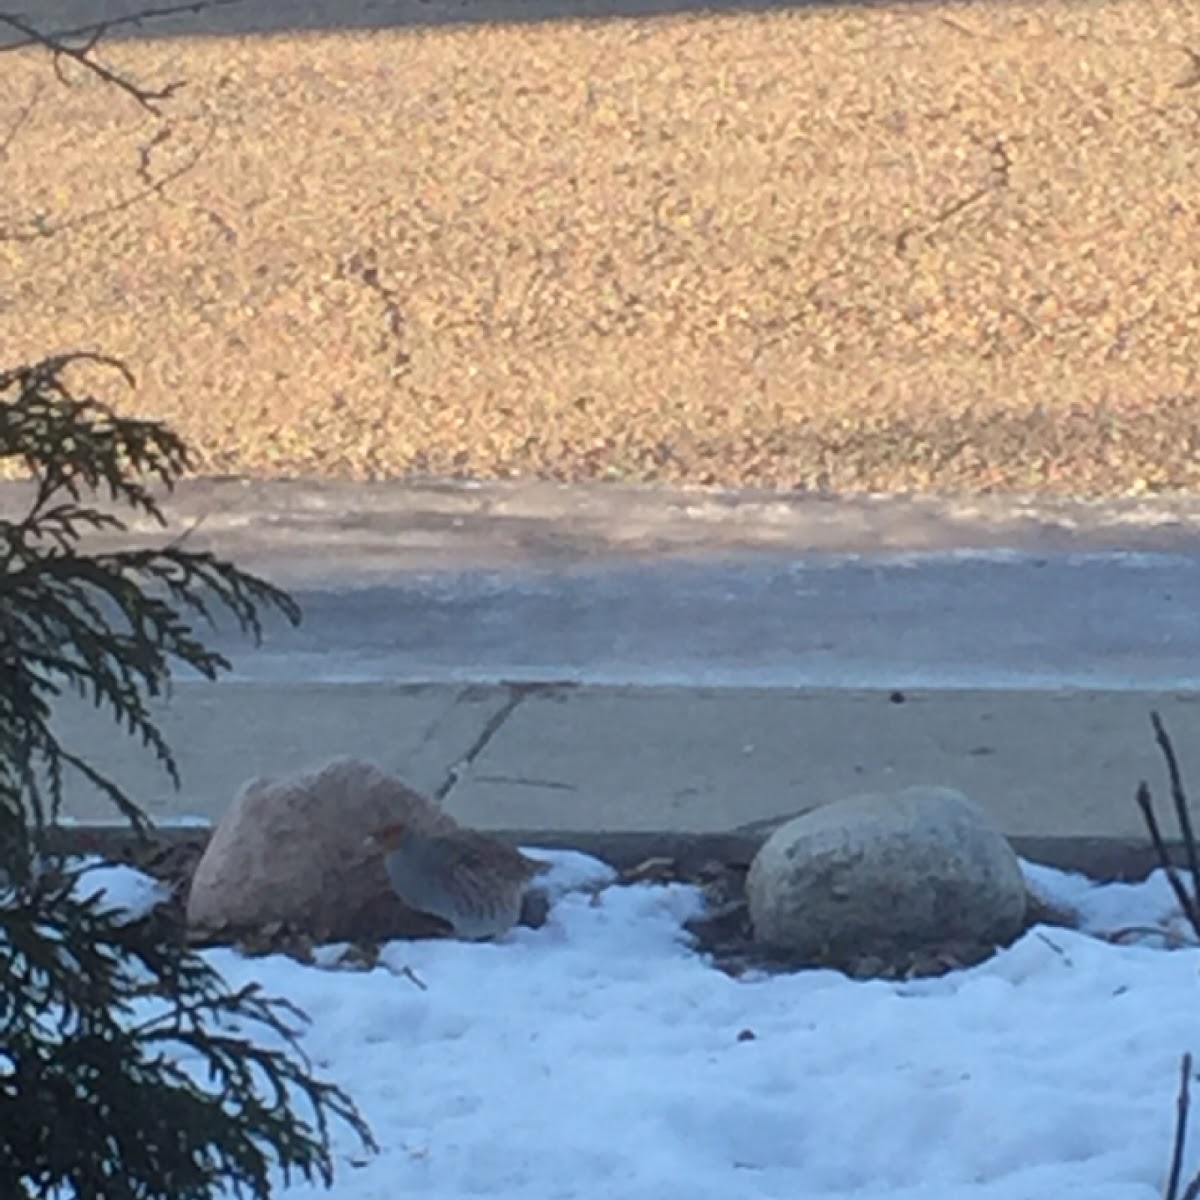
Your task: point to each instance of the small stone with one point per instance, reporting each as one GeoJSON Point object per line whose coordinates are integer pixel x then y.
{"type": "Point", "coordinates": [869, 966]}
{"type": "Point", "coordinates": [659, 869]}
{"type": "Point", "coordinates": [535, 908]}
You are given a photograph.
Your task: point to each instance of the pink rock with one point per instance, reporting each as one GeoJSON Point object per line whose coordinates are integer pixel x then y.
{"type": "Point", "coordinates": [292, 852]}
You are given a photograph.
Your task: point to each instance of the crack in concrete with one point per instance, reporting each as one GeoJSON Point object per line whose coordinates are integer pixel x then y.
{"type": "Point", "coordinates": [434, 726]}
{"type": "Point", "coordinates": [554, 785]}
{"type": "Point", "coordinates": [516, 693]}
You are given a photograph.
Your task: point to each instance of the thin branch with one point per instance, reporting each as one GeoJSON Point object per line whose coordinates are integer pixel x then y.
{"type": "Point", "coordinates": [148, 98]}
{"type": "Point", "coordinates": [1171, 938]}
{"type": "Point", "coordinates": [1186, 902]}
{"type": "Point", "coordinates": [516, 693]}
{"type": "Point", "coordinates": [22, 117]}
{"type": "Point", "coordinates": [406, 972]}
{"type": "Point", "coordinates": [41, 228]}
{"type": "Point", "coordinates": [195, 7]}
{"type": "Point", "coordinates": [1182, 1105]}
{"type": "Point", "coordinates": [1179, 799]}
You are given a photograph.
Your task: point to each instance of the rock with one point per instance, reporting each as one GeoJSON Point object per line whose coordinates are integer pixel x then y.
{"type": "Point", "coordinates": [884, 874]}
{"type": "Point", "coordinates": [289, 854]}
{"type": "Point", "coordinates": [535, 908]}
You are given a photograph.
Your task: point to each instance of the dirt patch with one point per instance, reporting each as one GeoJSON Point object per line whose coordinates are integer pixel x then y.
{"type": "Point", "coordinates": [911, 247]}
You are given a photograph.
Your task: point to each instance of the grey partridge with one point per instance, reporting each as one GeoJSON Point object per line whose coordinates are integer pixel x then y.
{"type": "Point", "coordinates": [471, 881]}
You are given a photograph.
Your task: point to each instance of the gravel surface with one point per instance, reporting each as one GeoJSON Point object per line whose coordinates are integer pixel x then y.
{"type": "Point", "coordinates": [919, 247]}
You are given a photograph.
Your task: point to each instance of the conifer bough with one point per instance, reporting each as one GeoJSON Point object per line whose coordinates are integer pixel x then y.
{"type": "Point", "coordinates": [129, 1069]}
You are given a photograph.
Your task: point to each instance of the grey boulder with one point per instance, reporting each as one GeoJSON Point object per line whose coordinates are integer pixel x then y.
{"type": "Point", "coordinates": [885, 873]}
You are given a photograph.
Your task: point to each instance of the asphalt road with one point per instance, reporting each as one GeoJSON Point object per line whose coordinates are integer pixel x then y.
{"type": "Point", "coordinates": [1005, 620]}
{"type": "Point", "coordinates": [460, 582]}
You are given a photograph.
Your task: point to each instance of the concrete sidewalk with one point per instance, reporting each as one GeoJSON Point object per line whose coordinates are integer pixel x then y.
{"type": "Point", "coordinates": [639, 767]}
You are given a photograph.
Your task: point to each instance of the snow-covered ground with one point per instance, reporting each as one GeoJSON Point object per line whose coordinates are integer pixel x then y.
{"type": "Point", "coordinates": [601, 1058]}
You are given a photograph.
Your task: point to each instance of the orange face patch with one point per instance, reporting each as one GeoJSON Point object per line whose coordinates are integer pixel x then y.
{"type": "Point", "coordinates": [389, 836]}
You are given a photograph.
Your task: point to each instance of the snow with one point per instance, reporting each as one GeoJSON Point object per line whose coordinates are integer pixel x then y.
{"type": "Point", "coordinates": [570, 871]}
{"type": "Point", "coordinates": [125, 890]}
{"type": "Point", "coordinates": [601, 1058]}
{"type": "Point", "coordinates": [1113, 908]}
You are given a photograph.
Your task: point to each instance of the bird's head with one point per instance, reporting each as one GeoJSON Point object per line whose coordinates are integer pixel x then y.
{"type": "Point", "coordinates": [387, 838]}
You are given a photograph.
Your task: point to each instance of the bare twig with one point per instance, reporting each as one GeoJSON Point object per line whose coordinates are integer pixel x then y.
{"type": "Point", "coordinates": [516, 693]}
{"type": "Point", "coordinates": [142, 16]}
{"type": "Point", "coordinates": [1056, 948]}
{"type": "Point", "coordinates": [1169, 936]}
{"type": "Point", "coordinates": [146, 154]}
{"type": "Point", "coordinates": [1186, 902]}
{"type": "Point", "coordinates": [407, 973]}
{"type": "Point", "coordinates": [1190, 904]}
{"type": "Point", "coordinates": [998, 178]}
{"type": "Point", "coordinates": [67, 45]}
{"type": "Point", "coordinates": [40, 228]}
{"type": "Point", "coordinates": [1179, 799]}
{"type": "Point", "coordinates": [56, 43]}
{"type": "Point", "coordinates": [1182, 1105]}
{"type": "Point", "coordinates": [180, 538]}
{"type": "Point", "coordinates": [22, 116]}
